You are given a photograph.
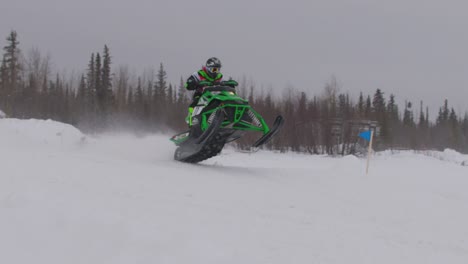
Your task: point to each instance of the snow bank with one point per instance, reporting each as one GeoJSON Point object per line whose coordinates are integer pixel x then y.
{"type": "Point", "coordinates": [448, 155]}
{"type": "Point", "coordinates": [33, 132]}
{"type": "Point", "coordinates": [2, 114]}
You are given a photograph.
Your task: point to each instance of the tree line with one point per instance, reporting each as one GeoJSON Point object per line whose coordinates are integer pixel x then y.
{"type": "Point", "coordinates": [101, 99]}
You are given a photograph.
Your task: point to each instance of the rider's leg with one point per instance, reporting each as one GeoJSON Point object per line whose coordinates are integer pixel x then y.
{"type": "Point", "coordinates": [188, 119]}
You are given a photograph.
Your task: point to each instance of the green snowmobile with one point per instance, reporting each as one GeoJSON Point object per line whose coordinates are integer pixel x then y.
{"type": "Point", "coordinates": [220, 116]}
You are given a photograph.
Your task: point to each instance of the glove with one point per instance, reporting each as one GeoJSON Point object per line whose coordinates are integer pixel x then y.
{"type": "Point", "coordinates": [231, 83]}
{"type": "Point", "coordinates": [205, 83]}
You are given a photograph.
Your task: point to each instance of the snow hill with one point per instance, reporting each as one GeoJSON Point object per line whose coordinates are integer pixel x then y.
{"type": "Point", "coordinates": [70, 198]}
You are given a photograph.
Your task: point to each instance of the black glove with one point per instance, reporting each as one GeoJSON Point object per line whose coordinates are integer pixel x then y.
{"type": "Point", "coordinates": [230, 83]}
{"type": "Point", "coordinates": [205, 83]}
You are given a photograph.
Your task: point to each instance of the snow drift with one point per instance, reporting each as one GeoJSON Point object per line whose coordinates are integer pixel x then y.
{"type": "Point", "coordinates": [33, 132]}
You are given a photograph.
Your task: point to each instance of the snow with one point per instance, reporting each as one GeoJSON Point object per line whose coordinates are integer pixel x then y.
{"type": "Point", "coordinates": [70, 198]}
{"type": "Point", "coordinates": [449, 155]}
{"type": "Point", "coordinates": [2, 114]}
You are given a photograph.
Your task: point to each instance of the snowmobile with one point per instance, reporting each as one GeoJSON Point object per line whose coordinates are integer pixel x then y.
{"type": "Point", "coordinates": [220, 117]}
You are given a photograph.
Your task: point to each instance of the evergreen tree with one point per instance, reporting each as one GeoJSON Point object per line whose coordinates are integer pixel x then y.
{"type": "Point", "coordinates": [408, 119]}
{"type": "Point", "coordinates": [455, 135]}
{"type": "Point", "coordinates": [422, 120]}
{"type": "Point", "coordinates": [149, 90]}
{"type": "Point", "coordinates": [392, 109]}
{"type": "Point", "coordinates": [443, 113]}
{"type": "Point", "coordinates": [82, 88]}
{"type": "Point", "coordinates": [360, 106]}
{"type": "Point", "coordinates": [99, 95]}
{"type": "Point", "coordinates": [464, 131]}
{"type": "Point", "coordinates": [106, 82]}
{"type": "Point", "coordinates": [4, 91]}
{"type": "Point", "coordinates": [129, 102]}
{"type": "Point", "coordinates": [11, 57]}
{"type": "Point", "coordinates": [427, 116]}
{"type": "Point", "coordinates": [368, 109]}
{"type": "Point", "coordinates": [139, 100]}
{"type": "Point", "coordinates": [453, 119]}
{"type": "Point", "coordinates": [170, 96]}
{"type": "Point", "coordinates": [91, 83]}
{"type": "Point", "coordinates": [10, 72]}
{"type": "Point", "coordinates": [182, 99]}
{"type": "Point", "coordinates": [380, 115]}
{"type": "Point", "coordinates": [160, 88]}
{"type": "Point", "coordinates": [81, 96]}
{"type": "Point", "coordinates": [342, 106]}
{"type": "Point", "coordinates": [3, 78]}
{"type": "Point", "coordinates": [378, 106]}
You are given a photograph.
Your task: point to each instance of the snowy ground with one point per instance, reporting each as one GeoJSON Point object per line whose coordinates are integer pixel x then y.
{"type": "Point", "coordinates": [67, 198]}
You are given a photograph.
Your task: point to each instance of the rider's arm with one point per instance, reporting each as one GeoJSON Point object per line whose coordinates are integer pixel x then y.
{"type": "Point", "coordinates": [192, 83]}
{"type": "Point", "coordinates": [230, 83]}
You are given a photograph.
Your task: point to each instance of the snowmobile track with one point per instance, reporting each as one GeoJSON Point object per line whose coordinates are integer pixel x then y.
{"type": "Point", "coordinates": [211, 149]}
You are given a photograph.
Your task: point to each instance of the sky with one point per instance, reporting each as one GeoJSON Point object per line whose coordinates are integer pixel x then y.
{"type": "Point", "coordinates": [416, 49]}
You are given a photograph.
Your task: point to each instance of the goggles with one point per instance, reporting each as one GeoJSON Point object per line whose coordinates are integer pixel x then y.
{"type": "Point", "coordinates": [213, 69]}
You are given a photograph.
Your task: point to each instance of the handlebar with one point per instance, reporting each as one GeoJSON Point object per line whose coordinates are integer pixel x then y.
{"type": "Point", "coordinates": [219, 88]}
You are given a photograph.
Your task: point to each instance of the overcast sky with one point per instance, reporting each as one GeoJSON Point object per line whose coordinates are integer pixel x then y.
{"type": "Point", "coordinates": [415, 49]}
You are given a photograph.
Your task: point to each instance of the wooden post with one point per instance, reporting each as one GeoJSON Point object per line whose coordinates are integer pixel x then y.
{"type": "Point", "coordinates": [370, 150]}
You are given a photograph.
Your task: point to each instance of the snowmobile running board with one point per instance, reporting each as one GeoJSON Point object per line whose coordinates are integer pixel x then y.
{"type": "Point", "coordinates": [279, 121]}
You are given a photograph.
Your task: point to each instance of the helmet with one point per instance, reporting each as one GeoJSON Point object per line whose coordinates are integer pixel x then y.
{"type": "Point", "coordinates": [213, 67]}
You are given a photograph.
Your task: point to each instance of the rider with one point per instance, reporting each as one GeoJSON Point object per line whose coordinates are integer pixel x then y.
{"type": "Point", "coordinates": [209, 74]}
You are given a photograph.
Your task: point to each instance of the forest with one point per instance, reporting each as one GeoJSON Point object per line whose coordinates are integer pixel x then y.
{"type": "Point", "coordinates": [104, 98]}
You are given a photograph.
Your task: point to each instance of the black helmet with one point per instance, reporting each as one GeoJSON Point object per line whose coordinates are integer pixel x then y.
{"type": "Point", "coordinates": [213, 67]}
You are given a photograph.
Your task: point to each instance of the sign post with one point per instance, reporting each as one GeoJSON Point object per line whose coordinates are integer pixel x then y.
{"type": "Point", "coordinates": [369, 136]}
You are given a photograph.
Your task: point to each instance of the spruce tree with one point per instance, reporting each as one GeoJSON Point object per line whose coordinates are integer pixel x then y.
{"type": "Point", "coordinates": [378, 103]}
{"type": "Point", "coordinates": [170, 96]}
{"type": "Point", "coordinates": [408, 119]}
{"type": "Point", "coordinates": [160, 88]}
{"type": "Point", "coordinates": [10, 72]}
{"type": "Point", "coordinates": [427, 116]}
{"type": "Point", "coordinates": [455, 134]}
{"type": "Point", "coordinates": [368, 109]}
{"type": "Point", "coordinates": [422, 120]}
{"type": "Point", "coordinates": [11, 57]}
{"type": "Point", "coordinates": [392, 109]}
{"type": "Point", "coordinates": [91, 83]}
{"type": "Point", "coordinates": [443, 113]}
{"type": "Point", "coordinates": [139, 101]}
{"type": "Point", "coordinates": [3, 82]}
{"type": "Point", "coordinates": [380, 115]}
{"type": "Point", "coordinates": [98, 83]}
{"type": "Point", "coordinates": [129, 102]}
{"type": "Point", "coordinates": [360, 106]}
{"type": "Point", "coordinates": [181, 94]}
{"type": "Point", "coordinates": [453, 119]}
{"type": "Point", "coordinates": [106, 82]}
{"type": "Point", "coordinates": [81, 95]}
